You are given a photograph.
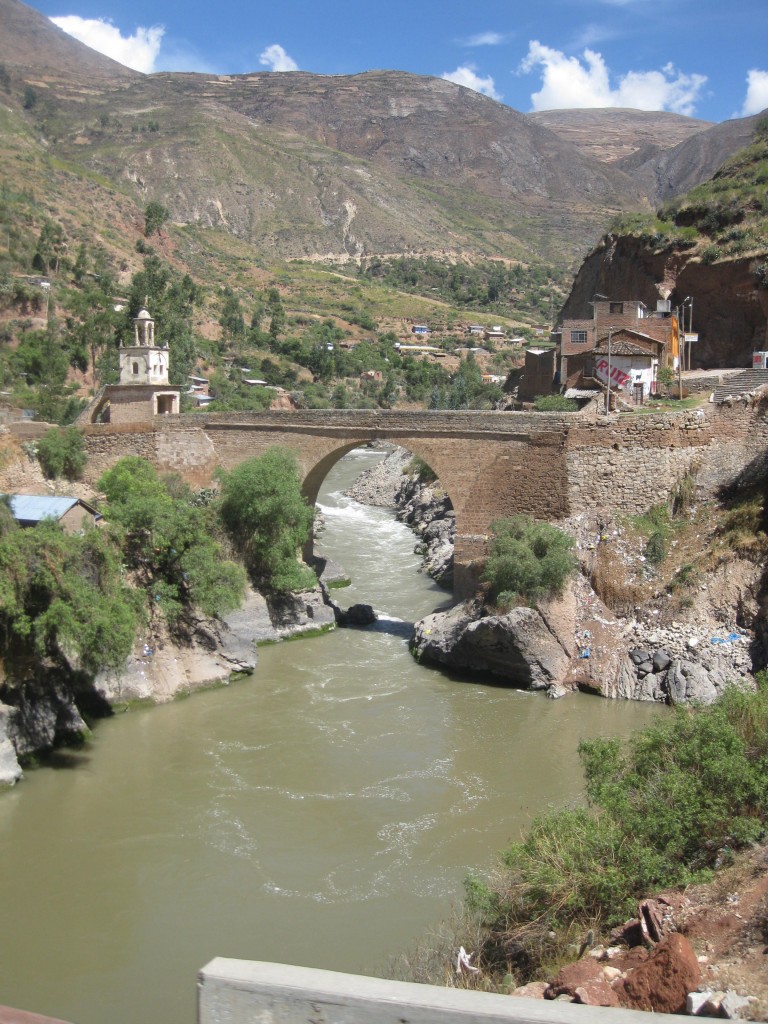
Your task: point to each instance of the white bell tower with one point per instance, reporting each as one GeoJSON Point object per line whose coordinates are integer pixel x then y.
{"type": "Point", "coordinates": [144, 362]}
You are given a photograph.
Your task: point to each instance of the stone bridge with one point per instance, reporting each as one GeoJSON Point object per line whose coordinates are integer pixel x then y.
{"type": "Point", "coordinates": [491, 464]}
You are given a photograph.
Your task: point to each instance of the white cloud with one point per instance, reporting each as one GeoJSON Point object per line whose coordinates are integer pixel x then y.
{"type": "Point", "coordinates": [485, 39]}
{"type": "Point", "coordinates": [139, 51]}
{"type": "Point", "coordinates": [276, 59]}
{"type": "Point", "coordinates": [757, 93]}
{"type": "Point", "coordinates": [466, 75]}
{"type": "Point", "coordinates": [586, 82]}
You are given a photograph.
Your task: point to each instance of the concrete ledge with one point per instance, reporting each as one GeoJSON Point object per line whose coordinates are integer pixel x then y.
{"type": "Point", "coordinates": [253, 992]}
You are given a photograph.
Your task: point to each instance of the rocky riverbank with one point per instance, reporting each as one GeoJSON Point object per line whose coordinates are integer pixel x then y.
{"type": "Point", "coordinates": [672, 646]}
{"type": "Point", "coordinates": [648, 645]}
{"type": "Point", "coordinates": [51, 708]}
{"type": "Point", "coordinates": [400, 484]}
{"type": "Point", "coordinates": [45, 706]}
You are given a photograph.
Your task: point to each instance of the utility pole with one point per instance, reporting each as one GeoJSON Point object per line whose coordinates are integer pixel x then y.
{"type": "Point", "coordinates": [680, 353]}
{"type": "Point", "coordinates": [608, 390]}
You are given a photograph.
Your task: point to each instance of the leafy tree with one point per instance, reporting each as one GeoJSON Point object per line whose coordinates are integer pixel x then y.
{"type": "Point", "coordinates": [168, 541]}
{"type": "Point", "coordinates": [41, 360]}
{"type": "Point", "coordinates": [62, 595]}
{"type": "Point", "coordinates": [528, 560]}
{"type": "Point", "coordinates": [268, 518]}
{"type": "Point", "coordinates": [51, 245]}
{"type": "Point", "coordinates": [231, 316]}
{"type": "Point", "coordinates": [61, 453]}
{"type": "Point", "coordinates": [155, 216]}
{"type": "Point", "coordinates": [276, 314]}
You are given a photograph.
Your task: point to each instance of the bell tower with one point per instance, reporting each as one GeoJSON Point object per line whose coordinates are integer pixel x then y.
{"type": "Point", "coordinates": [144, 362]}
{"type": "Point", "coordinates": [143, 390]}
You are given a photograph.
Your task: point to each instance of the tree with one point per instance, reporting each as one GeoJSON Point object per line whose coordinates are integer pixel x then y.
{"type": "Point", "coordinates": [155, 216]}
{"type": "Point", "coordinates": [268, 518]}
{"type": "Point", "coordinates": [50, 247]}
{"type": "Point", "coordinates": [169, 541]}
{"type": "Point", "coordinates": [62, 598]}
{"type": "Point", "coordinates": [61, 453]}
{"type": "Point", "coordinates": [231, 316]}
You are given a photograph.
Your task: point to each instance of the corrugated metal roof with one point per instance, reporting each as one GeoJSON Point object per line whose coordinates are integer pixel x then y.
{"type": "Point", "coordinates": [31, 508]}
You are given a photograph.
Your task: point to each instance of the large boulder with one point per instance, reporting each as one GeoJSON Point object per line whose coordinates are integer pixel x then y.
{"type": "Point", "coordinates": [517, 646]}
{"type": "Point", "coordinates": [662, 983]}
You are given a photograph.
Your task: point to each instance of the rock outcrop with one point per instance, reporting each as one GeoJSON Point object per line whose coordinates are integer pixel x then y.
{"type": "Point", "coordinates": [731, 305]}
{"type": "Point", "coordinates": [518, 646]}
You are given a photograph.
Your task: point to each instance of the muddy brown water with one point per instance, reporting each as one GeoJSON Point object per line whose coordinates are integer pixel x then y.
{"type": "Point", "coordinates": [322, 812]}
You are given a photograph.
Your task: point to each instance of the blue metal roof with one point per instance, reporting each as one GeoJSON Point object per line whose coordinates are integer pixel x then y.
{"type": "Point", "coordinates": [31, 508]}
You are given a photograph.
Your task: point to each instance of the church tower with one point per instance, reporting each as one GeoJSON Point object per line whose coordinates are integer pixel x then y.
{"type": "Point", "coordinates": [144, 362]}
{"type": "Point", "coordinates": [143, 390]}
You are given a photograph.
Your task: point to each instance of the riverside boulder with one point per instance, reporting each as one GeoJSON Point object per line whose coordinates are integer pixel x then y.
{"type": "Point", "coordinates": [517, 646]}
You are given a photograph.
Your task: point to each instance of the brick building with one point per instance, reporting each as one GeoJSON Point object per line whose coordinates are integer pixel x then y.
{"type": "Point", "coordinates": [643, 333]}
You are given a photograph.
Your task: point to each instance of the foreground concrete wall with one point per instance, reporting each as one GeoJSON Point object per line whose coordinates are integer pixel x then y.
{"type": "Point", "coordinates": [252, 992]}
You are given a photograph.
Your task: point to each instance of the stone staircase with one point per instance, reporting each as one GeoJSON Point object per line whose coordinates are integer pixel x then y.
{"type": "Point", "coordinates": [740, 384]}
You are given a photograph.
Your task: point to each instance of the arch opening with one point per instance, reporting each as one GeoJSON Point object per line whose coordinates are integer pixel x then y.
{"type": "Point", "coordinates": [410, 461]}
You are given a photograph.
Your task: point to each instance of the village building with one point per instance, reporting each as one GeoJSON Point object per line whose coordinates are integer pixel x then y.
{"type": "Point", "coordinates": [647, 340]}
{"type": "Point", "coordinates": [73, 514]}
{"type": "Point", "coordinates": [538, 374]}
{"type": "Point", "coordinates": [496, 333]}
{"type": "Point", "coordinates": [143, 390]}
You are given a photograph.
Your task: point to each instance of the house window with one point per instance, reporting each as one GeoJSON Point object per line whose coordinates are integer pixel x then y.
{"type": "Point", "coordinates": [578, 337]}
{"type": "Point", "coordinates": [135, 367]}
{"type": "Point", "coordinates": [617, 308]}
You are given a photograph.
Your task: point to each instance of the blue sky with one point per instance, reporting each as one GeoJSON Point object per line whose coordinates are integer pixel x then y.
{"type": "Point", "coordinates": [704, 58]}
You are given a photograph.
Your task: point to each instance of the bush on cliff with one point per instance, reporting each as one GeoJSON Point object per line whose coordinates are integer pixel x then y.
{"type": "Point", "coordinates": [666, 807]}
{"type": "Point", "coordinates": [268, 519]}
{"type": "Point", "coordinates": [528, 560]}
{"type": "Point", "coordinates": [169, 541]}
{"type": "Point", "coordinates": [61, 453]}
{"type": "Point", "coordinates": [62, 598]}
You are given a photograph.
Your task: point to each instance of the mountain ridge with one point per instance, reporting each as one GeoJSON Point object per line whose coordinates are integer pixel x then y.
{"type": "Point", "coordinates": [332, 168]}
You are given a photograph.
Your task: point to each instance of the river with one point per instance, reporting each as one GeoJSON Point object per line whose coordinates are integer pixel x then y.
{"type": "Point", "coordinates": [321, 812]}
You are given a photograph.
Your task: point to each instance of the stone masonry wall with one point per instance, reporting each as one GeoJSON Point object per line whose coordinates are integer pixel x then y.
{"type": "Point", "coordinates": [629, 463]}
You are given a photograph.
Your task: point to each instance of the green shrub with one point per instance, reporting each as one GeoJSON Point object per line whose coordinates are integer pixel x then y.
{"type": "Point", "coordinates": [664, 807]}
{"type": "Point", "coordinates": [416, 466]}
{"type": "Point", "coordinates": [61, 453]}
{"type": "Point", "coordinates": [554, 403]}
{"type": "Point", "coordinates": [268, 519]}
{"type": "Point", "coordinates": [168, 541]}
{"type": "Point", "coordinates": [690, 785]}
{"type": "Point", "coordinates": [528, 560]}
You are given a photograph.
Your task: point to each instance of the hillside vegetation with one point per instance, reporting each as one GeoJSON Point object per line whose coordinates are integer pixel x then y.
{"type": "Point", "coordinates": [726, 216]}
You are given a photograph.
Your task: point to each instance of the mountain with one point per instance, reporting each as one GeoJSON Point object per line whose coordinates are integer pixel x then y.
{"type": "Point", "coordinates": [321, 167]}
{"type": "Point", "coordinates": [710, 244]}
{"type": "Point", "coordinates": [310, 166]}
{"type": "Point", "coordinates": [695, 160]}
{"type": "Point", "coordinates": [31, 41]}
{"type": "Point", "coordinates": [620, 136]}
